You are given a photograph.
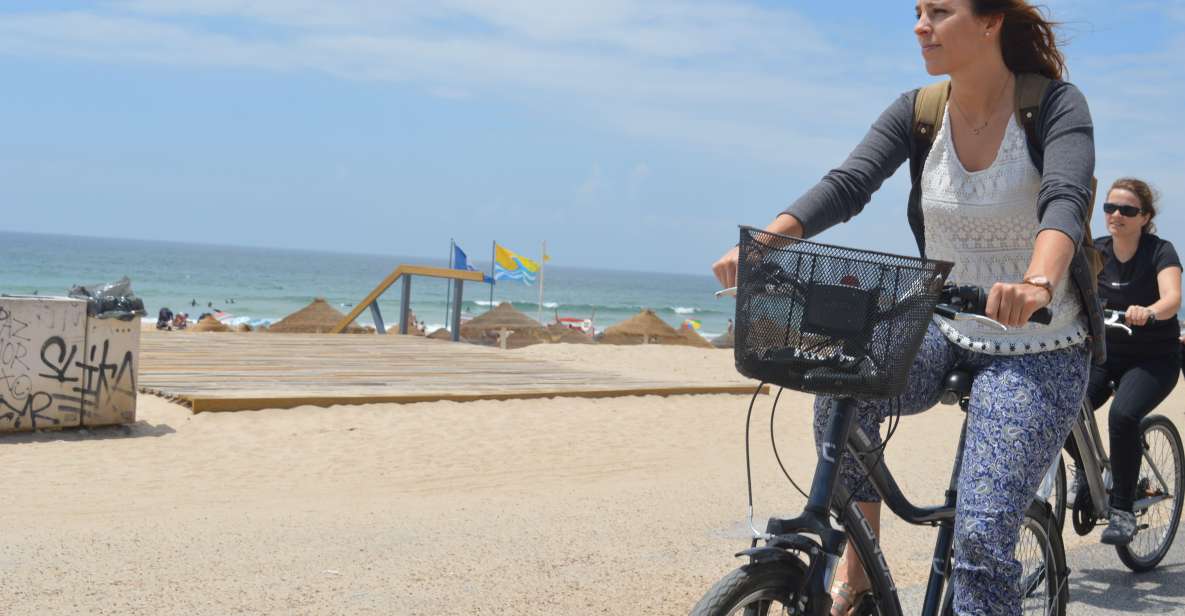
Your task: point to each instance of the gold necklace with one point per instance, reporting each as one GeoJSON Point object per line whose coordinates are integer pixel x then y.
{"type": "Point", "coordinates": [974, 130]}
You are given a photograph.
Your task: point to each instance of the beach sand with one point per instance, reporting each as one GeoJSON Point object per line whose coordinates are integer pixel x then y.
{"type": "Point", "coordinates": [607, 506]}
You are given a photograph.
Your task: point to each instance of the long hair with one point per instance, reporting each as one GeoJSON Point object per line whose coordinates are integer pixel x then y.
{"type": "Point", "coordinates": [1145, 193]}
{"type": "Point", "coordinates": [1026, 38]}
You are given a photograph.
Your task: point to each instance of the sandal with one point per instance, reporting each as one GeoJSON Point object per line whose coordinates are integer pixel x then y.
{"type": "Point", "coordinates": [844, 599]}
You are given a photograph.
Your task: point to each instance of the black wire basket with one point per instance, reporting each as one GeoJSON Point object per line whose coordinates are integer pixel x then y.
{"type": "Point", "coordinates": [831, 320]}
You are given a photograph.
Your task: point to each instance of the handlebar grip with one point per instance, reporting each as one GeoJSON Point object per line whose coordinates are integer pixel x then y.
{"type": "Point", "coordinates": [1118, 316]}
{"type": "Point", "coordinates": [1042, 316]}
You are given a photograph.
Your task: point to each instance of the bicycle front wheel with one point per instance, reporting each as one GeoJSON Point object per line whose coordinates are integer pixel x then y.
{"type": "Point", "coordinates": [1159, 493]}
{"type": "Point", "coordinates": [757, 589]}
{"type": "Point", "coordinates": [1043, 578]}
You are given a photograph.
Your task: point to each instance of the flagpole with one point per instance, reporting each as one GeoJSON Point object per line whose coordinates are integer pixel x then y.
{"type": "Point", "coordinates": [542, 265]}
{"type": "Point", "coordinates": [448, 295]}
{"type": "Point", "coordinates": [493, 255]}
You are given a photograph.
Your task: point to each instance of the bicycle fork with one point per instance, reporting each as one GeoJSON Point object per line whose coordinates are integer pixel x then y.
{"type": "Point", "coordinates": [815, 520]}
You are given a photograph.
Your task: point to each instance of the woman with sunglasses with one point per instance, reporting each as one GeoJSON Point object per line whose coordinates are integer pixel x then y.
{"type": "Point", "coordinates": [1142, 277]}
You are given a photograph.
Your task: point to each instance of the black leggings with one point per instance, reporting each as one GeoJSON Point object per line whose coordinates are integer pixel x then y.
{"type": "Point", "coordinates": [1143, 383]}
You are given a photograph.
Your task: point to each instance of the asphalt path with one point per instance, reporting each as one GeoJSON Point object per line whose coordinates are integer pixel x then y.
{"type": "Point", "coordinates": [1101, 585]}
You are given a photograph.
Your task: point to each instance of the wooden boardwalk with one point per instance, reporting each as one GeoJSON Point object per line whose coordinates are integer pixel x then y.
{"type": "Point", "coordinates": [238, 372]}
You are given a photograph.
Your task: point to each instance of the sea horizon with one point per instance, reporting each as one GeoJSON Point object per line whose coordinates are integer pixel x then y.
{"type": "Point", "coordinates": [258, 285]}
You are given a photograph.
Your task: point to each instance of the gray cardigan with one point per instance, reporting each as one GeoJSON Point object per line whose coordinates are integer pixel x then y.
{"type": "Point", "coordinates": [1065, 159]}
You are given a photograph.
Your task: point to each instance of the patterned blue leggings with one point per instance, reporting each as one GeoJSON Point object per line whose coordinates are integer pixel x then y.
{"type": "Point", "coordinates": [1021, 410]}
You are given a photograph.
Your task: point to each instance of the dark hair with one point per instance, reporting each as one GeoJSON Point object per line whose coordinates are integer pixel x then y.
{"type": "Point", "coordinates": [1145, 193]}
{"type": "Point", "coordinates": [1026, 37]}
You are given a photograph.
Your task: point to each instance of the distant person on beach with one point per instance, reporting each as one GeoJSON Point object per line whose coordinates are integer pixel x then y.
{"type": "Point", "coordinates": [164, 319]}
{"type": "Point", "coordinates": [181, 321]}
{"type": "Point", "coordinates": [1010, 212]}
{"type": "Point", "coordinates": [1141, 277]}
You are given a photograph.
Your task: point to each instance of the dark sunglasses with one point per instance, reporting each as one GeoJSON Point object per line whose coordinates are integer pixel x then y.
{"type": "Point", "coordinates": [1128, 211]}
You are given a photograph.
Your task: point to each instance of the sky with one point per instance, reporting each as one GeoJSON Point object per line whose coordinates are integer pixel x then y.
{"type": "Point", "coordinates": [628, 135]}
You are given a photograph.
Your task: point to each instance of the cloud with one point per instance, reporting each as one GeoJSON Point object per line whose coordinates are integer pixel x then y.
{"type": "Point", "coordinates": [708, 73]}
{"type": "Point", "coordinates": [762, 83]}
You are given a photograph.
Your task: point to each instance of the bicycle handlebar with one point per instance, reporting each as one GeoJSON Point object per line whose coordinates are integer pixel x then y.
{"type": "Point", "coordinates": [1115, 319]}
{"type": "Point", "coordinates": [957, 302]}
{"type": "Point", "coordinates": [971, 301]}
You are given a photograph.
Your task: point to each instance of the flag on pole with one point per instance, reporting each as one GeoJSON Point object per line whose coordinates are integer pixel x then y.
{"type": "Point", "coordinates": [509, 265]}
{"type": "Point", "coordinates": [461, 262]}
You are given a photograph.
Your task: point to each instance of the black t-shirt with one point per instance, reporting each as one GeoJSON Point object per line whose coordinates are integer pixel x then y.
{"type": "Point", "coordinates": [1124, 284]}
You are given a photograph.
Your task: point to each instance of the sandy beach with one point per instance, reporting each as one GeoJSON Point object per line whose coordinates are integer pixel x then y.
{"type": "Point", "coordinates": [606, 506]}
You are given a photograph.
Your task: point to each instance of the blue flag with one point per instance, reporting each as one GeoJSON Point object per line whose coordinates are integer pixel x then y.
{"type": "Point", "coordinates": [461, 262]}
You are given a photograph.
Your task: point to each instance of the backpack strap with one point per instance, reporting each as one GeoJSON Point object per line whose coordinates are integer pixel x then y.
{"type": "Point", "coordinates": [928, 108]}
{"type": "Point", "coordinates": [929, 105]}
{"type": "Point", "coordinates": [1030, 89]}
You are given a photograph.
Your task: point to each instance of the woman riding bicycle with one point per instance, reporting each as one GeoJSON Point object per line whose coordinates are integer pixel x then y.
{"type": "Point", "coordinates": [1141, 277]}
{"type": "Point", "coordinates": [1008, 227]}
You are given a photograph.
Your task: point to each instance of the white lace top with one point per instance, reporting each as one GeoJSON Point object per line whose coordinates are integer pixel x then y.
{"type": "Point", "coordinates": [986, 222]}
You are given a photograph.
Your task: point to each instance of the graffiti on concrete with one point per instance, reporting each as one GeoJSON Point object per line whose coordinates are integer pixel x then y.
{"type": "Point", "coordinates": [51, 375]}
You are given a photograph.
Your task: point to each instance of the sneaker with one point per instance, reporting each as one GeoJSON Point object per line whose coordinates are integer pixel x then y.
{"type": "Point", "coordinates": [1121, 529]}
{"type": "Point", "coordinates": [1077, 485]}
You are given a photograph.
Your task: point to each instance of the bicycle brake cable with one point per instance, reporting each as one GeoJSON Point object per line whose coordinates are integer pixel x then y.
{"type": "Point", "coordinates": [748, 464]}
{"type": "Point", "coordinates": [773, 443]}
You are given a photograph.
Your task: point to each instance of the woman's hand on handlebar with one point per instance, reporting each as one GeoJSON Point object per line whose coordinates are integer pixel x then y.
{"type": "Point", "coordinates": [1138, 315]}
{"type": "Point", "coordinates": [1013, 303]}
{"type": "Point", "coordinates": [725, 268]}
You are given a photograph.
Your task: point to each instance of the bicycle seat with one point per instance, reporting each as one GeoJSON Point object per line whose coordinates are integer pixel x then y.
{"type": "Point", "coordinates": [956, 386]}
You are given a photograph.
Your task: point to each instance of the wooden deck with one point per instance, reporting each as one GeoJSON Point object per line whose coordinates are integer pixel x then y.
{"type": "Point", "coordinates": [238, 372]}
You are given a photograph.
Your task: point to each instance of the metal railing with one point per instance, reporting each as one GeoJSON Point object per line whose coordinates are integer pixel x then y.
{"type": "Point", "coordinates": [406, 272]}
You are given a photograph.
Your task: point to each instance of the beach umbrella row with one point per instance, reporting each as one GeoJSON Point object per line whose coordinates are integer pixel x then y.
{"type": "Point", "coordinates": [504, 325]}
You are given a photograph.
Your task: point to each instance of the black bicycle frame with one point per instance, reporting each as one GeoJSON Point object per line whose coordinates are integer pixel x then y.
{"type": "Point", "coordinates": [840, 433]}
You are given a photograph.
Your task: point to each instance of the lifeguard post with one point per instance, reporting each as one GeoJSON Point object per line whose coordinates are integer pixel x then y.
{"type": "Point", "coordinates": [406, 272]}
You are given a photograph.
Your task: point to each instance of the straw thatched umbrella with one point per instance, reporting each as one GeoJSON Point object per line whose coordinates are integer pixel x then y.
{"type": "Point", "coordinates": [643, 328]}
{"type": "Point", "coordinates": [209, 324]}
{"type": "Point", "coordinates": [504, 325]}
{"type": "Point", "coordinates": [316, 318]}
{"type": "Point", "coordinates": [725, 340]}
{"type": "Point", "coordinates": [692, 338]}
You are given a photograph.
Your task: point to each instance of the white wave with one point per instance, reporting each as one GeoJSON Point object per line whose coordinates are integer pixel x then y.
{"type": "Point", "coordinates": [684, 310]}
{"type": "Point", "coordinates": [551, 305]}
{"type": "Point", "coordinates": [483, 302]}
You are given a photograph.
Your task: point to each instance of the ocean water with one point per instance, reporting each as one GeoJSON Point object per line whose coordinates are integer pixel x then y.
{"type": "Point", "coordinates": [261, 285]}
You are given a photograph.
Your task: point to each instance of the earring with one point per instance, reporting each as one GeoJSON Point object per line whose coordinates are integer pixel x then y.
{"type": "Point", "coordinates": [987, 33]}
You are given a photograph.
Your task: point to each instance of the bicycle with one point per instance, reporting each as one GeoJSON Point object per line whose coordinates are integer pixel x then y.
{"type": "Point", "coordinates": [1160, 489]}
{"type": "Point", "coordinates": [847, 323]}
